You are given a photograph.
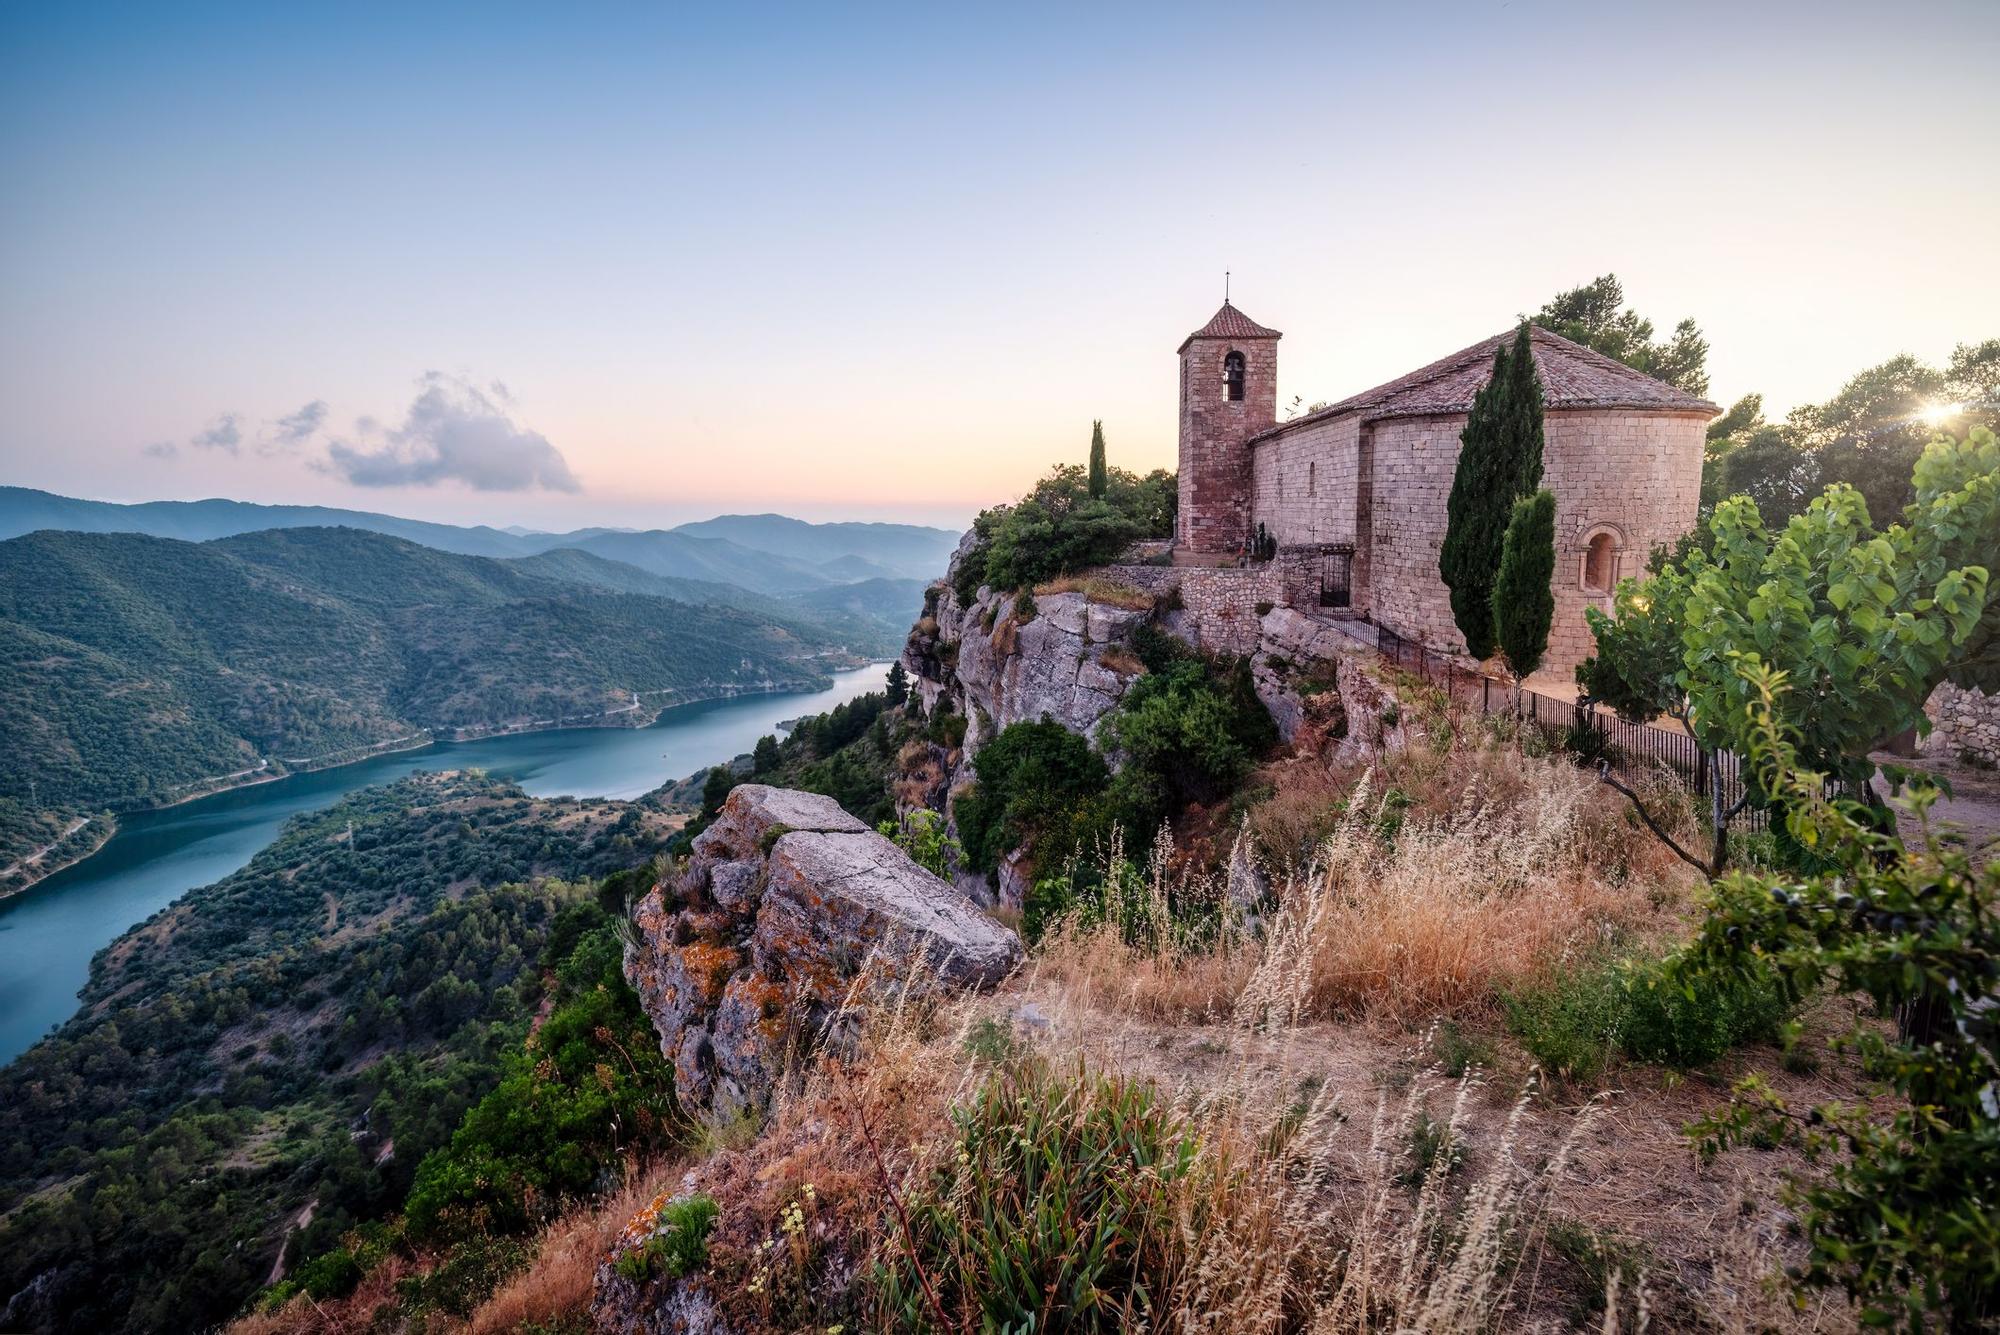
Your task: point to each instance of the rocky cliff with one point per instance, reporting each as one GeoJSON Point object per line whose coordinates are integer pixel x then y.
{"type": "Point", "coordinates": [746, 954]}
{"type": "Point", "coordinates": [1066, 652]}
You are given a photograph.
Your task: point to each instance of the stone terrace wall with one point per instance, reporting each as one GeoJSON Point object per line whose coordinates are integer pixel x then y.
{"type": "Point", "coordinates": [1963, 723]}
{"type": "Point", "coordinates": [1220, 605]}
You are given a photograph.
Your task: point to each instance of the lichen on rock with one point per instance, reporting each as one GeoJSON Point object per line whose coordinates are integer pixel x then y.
{"type": "Point", "coordinates": [746, 954]}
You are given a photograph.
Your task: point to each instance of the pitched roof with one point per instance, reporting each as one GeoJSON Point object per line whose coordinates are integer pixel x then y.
{"type": "Point", "coordinates": [1230, 323]}
{"type": "Point", "coordinates": [1573, 376]}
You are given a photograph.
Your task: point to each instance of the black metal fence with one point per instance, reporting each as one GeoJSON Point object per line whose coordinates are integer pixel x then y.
{"type": "Point", "coordinates": [1633, 750]}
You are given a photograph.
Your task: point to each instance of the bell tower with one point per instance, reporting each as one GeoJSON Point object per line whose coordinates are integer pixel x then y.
{"type": "Point", "coordinates": [1229, 392]}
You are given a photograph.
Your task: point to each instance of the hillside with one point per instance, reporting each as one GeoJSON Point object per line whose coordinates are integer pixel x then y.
{"type": "Point", "coordinates": [767, 553]}
{"type": "Point", "coordinates": [302, 1032]}
{"type": "Point", "coordinates": [143, 670]}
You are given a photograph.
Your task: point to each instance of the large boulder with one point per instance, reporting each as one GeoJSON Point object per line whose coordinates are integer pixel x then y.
{"type": "Point", "coordinates": [747, 954]}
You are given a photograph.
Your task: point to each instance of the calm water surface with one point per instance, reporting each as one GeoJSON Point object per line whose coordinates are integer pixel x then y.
{"type": "Point", "coordinates": [49, 933]}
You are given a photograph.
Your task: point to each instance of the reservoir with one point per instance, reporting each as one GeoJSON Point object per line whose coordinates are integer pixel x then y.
{"type": "Point", "coordinates": [49, 932]}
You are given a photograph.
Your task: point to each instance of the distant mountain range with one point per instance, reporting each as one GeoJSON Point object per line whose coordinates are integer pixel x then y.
{"type": "Point", "coordinates": [150, 652]}
{"type": "Point", "coordinates": [768, 554]}
{"type": "Point", "coordinates": [137, 670]}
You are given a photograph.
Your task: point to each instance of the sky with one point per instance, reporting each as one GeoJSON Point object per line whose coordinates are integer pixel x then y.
{"type": "Point", "coordinates": [561, 265]}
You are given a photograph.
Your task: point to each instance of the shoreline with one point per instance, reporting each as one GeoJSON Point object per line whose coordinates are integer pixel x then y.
{"type": "Point", "coordinates": [641, 719]}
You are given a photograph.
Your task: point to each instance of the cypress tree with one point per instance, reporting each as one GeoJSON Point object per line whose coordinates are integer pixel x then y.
{"type": "Point", "coordinates": [1524, 606]}
{"type": "Point", "coordinates": [1099, 478]}
{"type": "Point", "coordinates": [1499, 462]}
{"type": "Point", "coordinates": [1476, 513]}
{"type": "Point", "coordinates": [1522, 429]}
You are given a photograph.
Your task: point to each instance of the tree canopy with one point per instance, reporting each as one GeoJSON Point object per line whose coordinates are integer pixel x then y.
{"type": "Point", "coordinates": [1596, 316]}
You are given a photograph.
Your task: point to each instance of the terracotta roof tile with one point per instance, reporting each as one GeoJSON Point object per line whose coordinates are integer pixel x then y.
{"type": "Point", "coordinates": [1230, 323]}
{"type": "Point", "coordinates": [1573, 376]}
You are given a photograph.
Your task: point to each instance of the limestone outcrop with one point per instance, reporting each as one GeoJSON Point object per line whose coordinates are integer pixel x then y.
{"type": "Point", "coordinates": [1069, 657]}
{"type": "Point", "coordinates": [746, 954]}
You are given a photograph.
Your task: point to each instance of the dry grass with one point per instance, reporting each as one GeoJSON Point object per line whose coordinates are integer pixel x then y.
{"type": "Point", "coordinates": [1122, 661]}
{"type": "Point", "coordinates": [557, 1283]}
{"type": "Point", "coordinates": [1098, 589]}
{"type": "Point", "coordinates": [1481, 870]}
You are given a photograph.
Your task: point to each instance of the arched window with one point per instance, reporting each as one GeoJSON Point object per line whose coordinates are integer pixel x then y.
{"type": "Point", "coordinates": [1600, 563]}
{"type": "Point", "coordinates": [1232, 376]}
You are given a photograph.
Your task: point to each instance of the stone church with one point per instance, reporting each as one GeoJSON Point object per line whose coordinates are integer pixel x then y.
{"type": "Point", "coordinates": [1354, 493]}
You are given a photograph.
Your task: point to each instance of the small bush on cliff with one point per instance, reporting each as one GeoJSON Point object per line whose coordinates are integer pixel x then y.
{"type": "Point", "coordinates": [1061, 527]}
{"type": "Point", "coordinates": [1037, 783]}
{"type": "Point", "coordinates": [1187, 731]}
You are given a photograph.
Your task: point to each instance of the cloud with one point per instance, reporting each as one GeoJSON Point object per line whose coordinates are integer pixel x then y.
{"type": "Point", "coordinates": [225, 434]}
{"type": "Point", "coordinates": [295, 429]}
{"type": "Point", "coordinates": [454, 432]}
{"type": "Point", "coordinates": [162, 449]}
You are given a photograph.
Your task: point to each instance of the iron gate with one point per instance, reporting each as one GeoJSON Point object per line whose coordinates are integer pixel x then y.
{"type": "Point", "coordinates": [1336, 579]}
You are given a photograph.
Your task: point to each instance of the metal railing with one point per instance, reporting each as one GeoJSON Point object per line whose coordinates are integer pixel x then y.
{"type": "Point", "coordinates": [1633, 750]}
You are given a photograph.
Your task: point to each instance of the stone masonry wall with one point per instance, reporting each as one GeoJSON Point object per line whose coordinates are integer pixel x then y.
{"type": "Point", "coordinates": [1215, 475]}
{"type": "Point", "coordinates": [1306, 482]}
{"type": "Point", "coordinates": [1221, 606]}
{"type": "Point", "coordinates": [1635, 476]}
{"type": "Point", "coordinates": [1963, 723]}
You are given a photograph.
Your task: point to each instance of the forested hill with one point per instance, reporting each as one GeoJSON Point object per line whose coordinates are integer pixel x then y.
{"type": "Point", "coordinates": [138, 670]}
{"type": "Point", "coordinates": [303, 1031]}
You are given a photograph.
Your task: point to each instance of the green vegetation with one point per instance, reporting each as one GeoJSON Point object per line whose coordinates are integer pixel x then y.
{"type": "Point", "coordinates": [309, 1029]}
{"type": "Point", "coordinates": [678, 1244]}
{"type": "Point", "coordinates": [1579, 1021]}
{"type": "Point", "coordinates": [1864, 624]}
{"type": "Point", "coordinates": [1062, 526]}
{"type": "Point", "coordinates": [846, 753]}
{"type": "Point", "coordinates": [1868, 435]}
{"type": "Point", "coordinates": [1038, 783]}
{"type": "Point", "coordinates": [923, 835]}
{"type": "Point", "coordinates": [1902, 1213]}
{"type": "Point", "coordinates": [1592, 315]}
{"type": "Point", "coordinates": [1187, 731]}
{"type": "Point", "coordinates": [1499, 462]}
{"type": "Point", "coordinates": [1100, 480]}
{"type": "Point", "coordinates": [1056, 1211]}
{"type": "Point", "coordinates": [1524, 601]}
{"type": "Point", "coordinates": [136, 671]}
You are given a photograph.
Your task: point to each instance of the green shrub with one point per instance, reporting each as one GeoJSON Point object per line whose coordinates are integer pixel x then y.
{"type": "Point", "coordinates": [678, 1244]}
{"type": "Point", "coordinates": [332, 1274]}
{"type": "Point", "coordinates": [1057, 1212]}
{"type": "Point", "coordinates": [1579, 1020]}
{"type": "Point", "coordinates": [1900, 1211]}
{"type": "Point", "coordinates": [1059, 528]}
{"type": "Point", "coordinates": [589, 1086]}
{"type": "Point", "coordinates": [1187, 731]}
{"type": "Point", "coordinates": [1036, 782]}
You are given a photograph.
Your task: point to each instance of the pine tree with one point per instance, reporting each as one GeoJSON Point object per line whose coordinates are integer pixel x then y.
{"type": "Point", "coordinates": [765, 756]}
{"type": "Point", "coordinates": [1099, 477]}
{"type": "Point", "coordinates": [1524, 604]}
{"type": "Point", "coordinates": [898, 685]}
{"type": "Point", "coordinates": [1499, 461]}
